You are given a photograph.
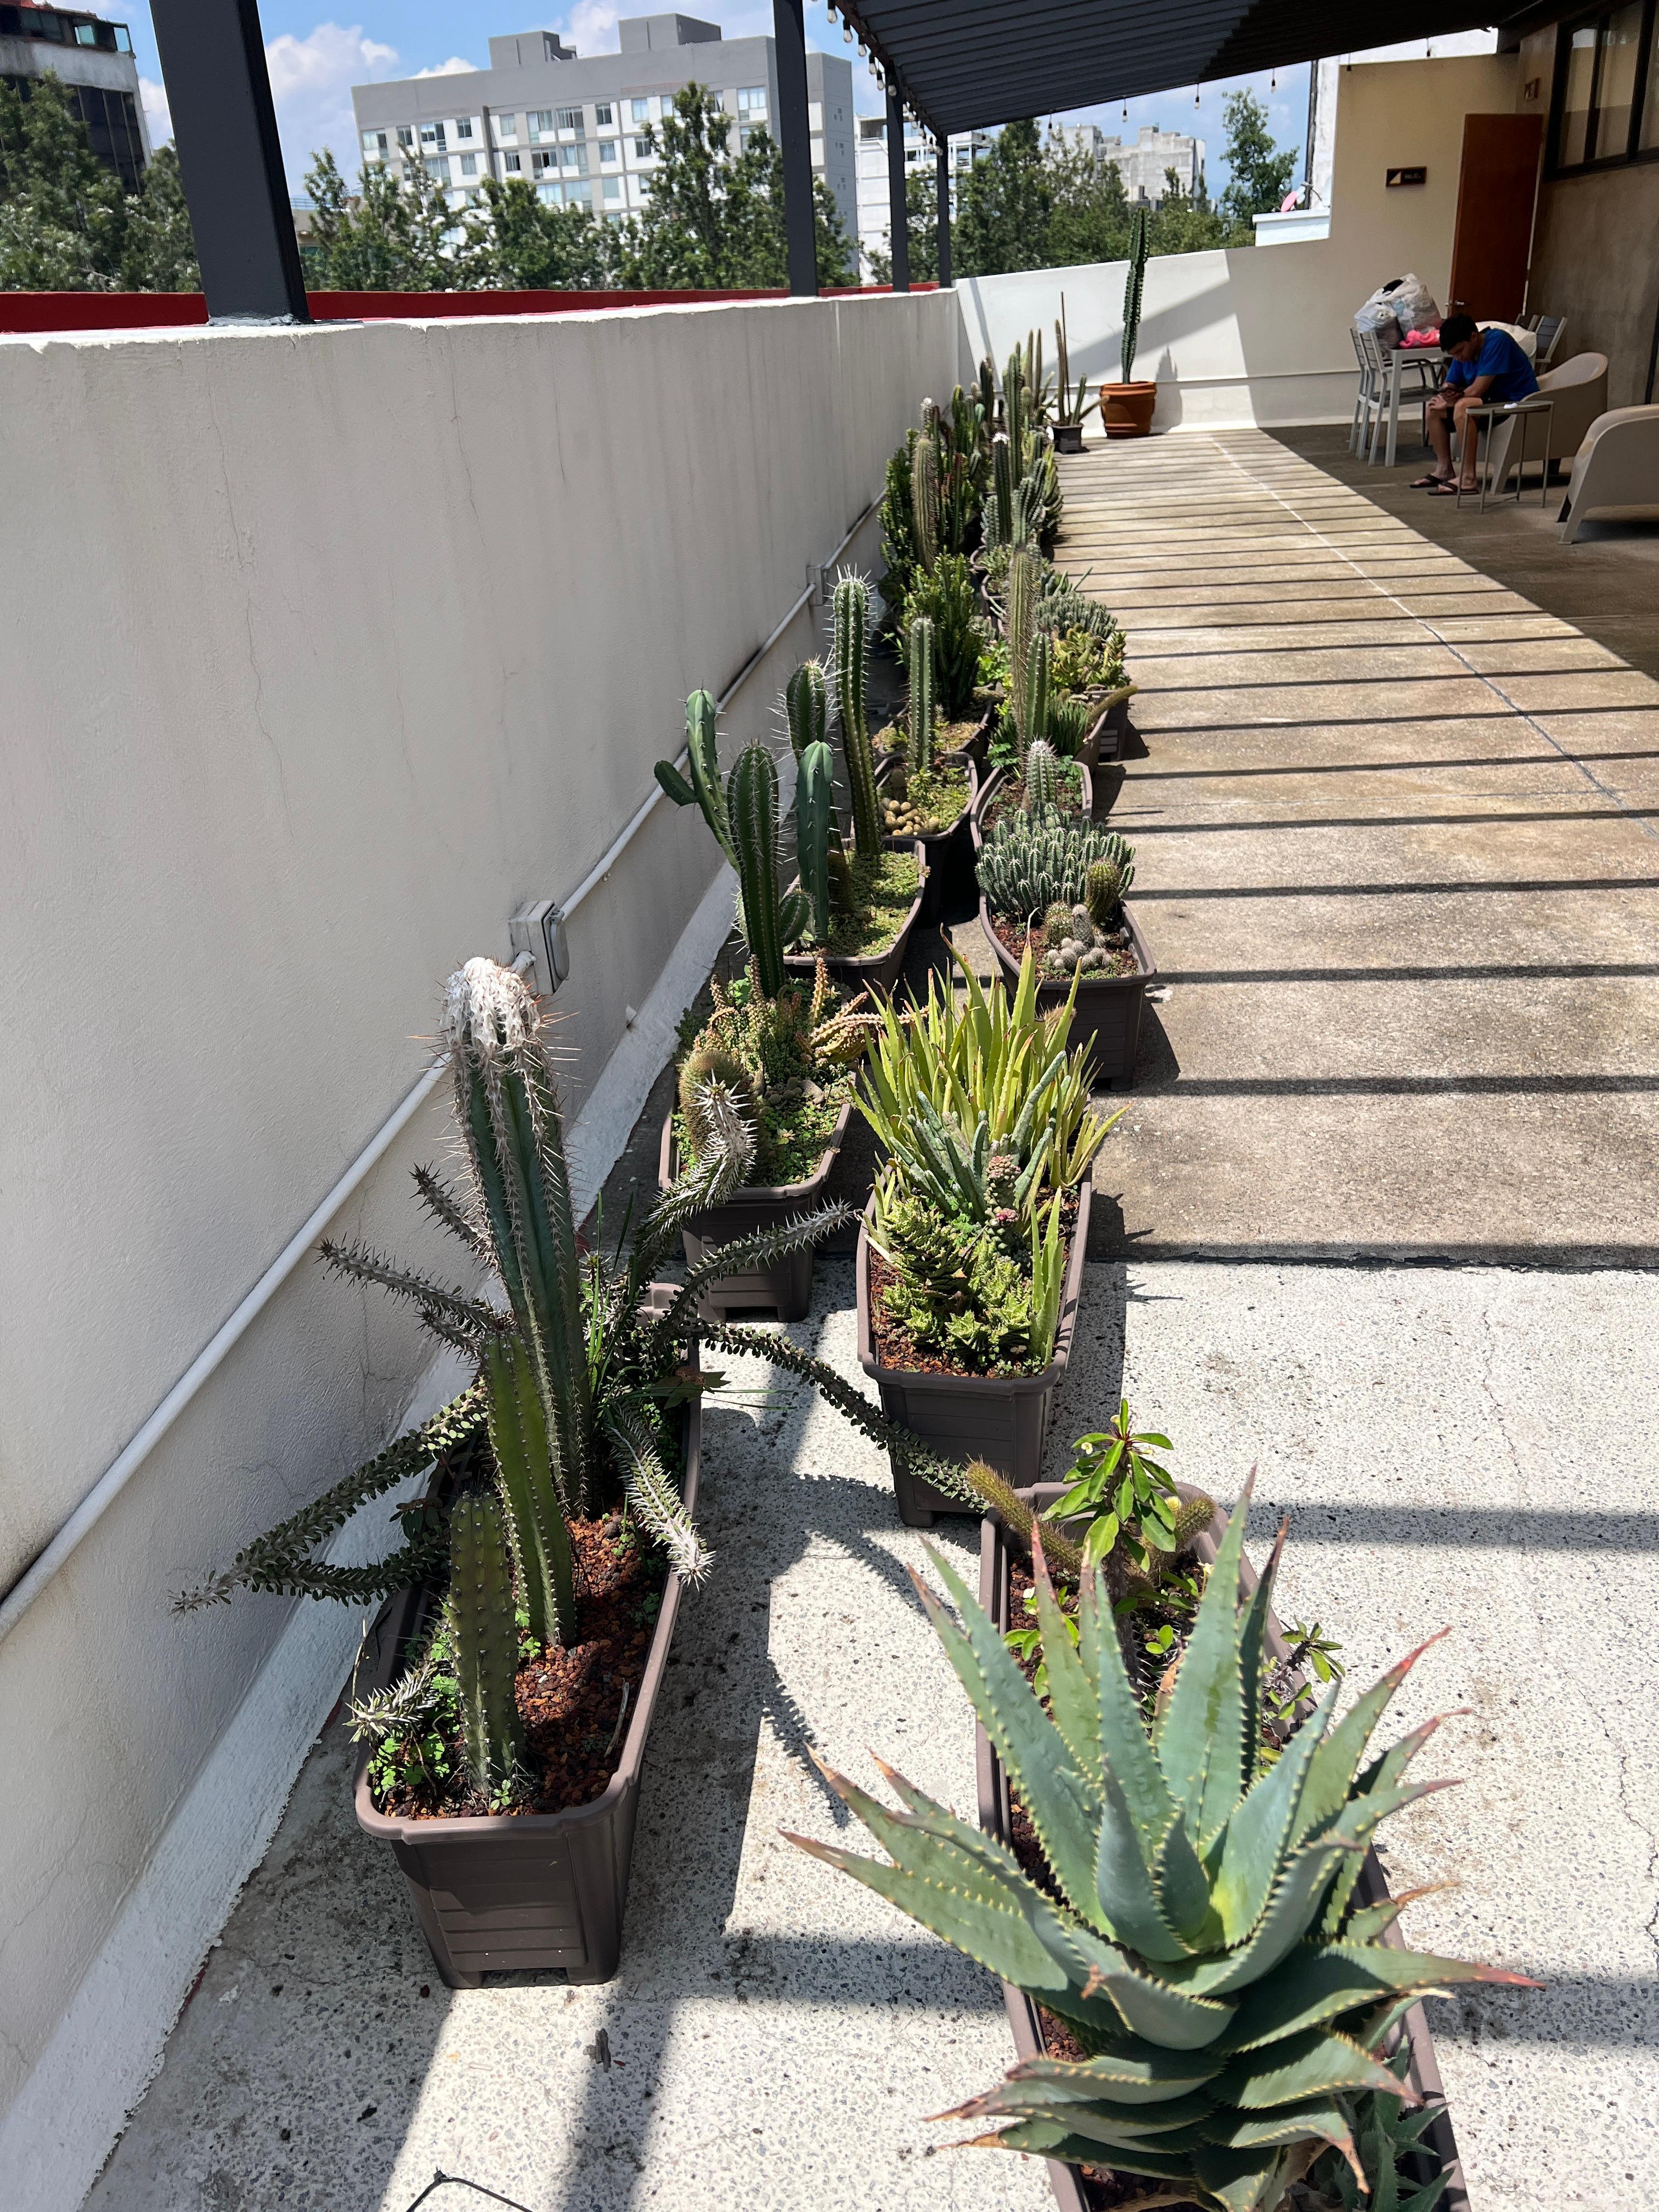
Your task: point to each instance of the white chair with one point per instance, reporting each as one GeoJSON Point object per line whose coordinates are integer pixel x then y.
{"type": "Point", "coordinates": [1579, 389]}
{"type": "Point", "coordinates": [1616, 470]}
{"type": "Point", "coordinates": [1548, 330]}
{"type": "Point", "coordinates": [1364, 399]}
{"type": "Point", "coordinates": [1387, 367]}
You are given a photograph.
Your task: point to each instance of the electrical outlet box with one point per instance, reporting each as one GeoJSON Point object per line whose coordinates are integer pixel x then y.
{"type": "Point", "coordinates": [538, 930]}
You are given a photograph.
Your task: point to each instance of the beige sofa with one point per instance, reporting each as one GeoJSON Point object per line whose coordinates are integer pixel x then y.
{"type": "Point", "coordinates": [1616, 470]}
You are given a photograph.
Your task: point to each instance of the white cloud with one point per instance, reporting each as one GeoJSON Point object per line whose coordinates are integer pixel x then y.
{"type": "Point", "coordinates": [310, 82]}
{"type": "Point", "coordinates": [157, 115]}
{"type": "Point", "coordinates": [591, 26]}
{"type": "Point", "coordinates": [455, 66]}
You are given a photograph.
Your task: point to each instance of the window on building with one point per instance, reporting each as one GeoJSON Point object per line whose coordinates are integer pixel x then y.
{"type": "Point", "coordinates": [375, 142]}
{"type": "Point", "coordinates": [613, 188]}
{"type": "Point", "coordinates": [640, 110]}
{"type": "Point", "coordinates": [752, 100]}
{"type": "Point", "coordinates": [578, 195]}
{"type": "Point", "coordinates": [747, 133]}
{"type": "Point", "coordinates": [540, 120]}
{"type": "Point", "coordinates": [602, 114]}
{"type": "Point", "coordinates": [567, 118]}
{"type": "Point", "coordinates": [506, 126]}
{"type": "Point", "coordinates": [469, 165]}
{"type": "Point", "coordinates": [551, 193]}
{"type": "Point", "coordinates": [664, 106]}
{"type": "Point", "coordinates": [608, 150]}
{"type": "Point", "coordinates": [123, 39]}
{"type": "Point", "coordinates": [575, 159]}
{"type": "Point", "coordinates": [440, 170]}
{"type": "Point", "coordinates": [643, 149]}
{"type": "Point", "coordinates": [512, 163]}
{"type": "Point", "coordinates": [539, 162]}
{"type": "Point", "coordinates": [1601, 66]}
{"type": "Point", "coordinates": [432, 134]}
{"type": "Point", "coordinates": [405, 134]}
{"type": "Point", "coordinates": [464, 127]}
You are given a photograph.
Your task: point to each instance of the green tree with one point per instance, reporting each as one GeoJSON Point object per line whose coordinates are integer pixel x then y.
{"type": "Point", "coordinates": [398, 235]}
{"type": "Point", "coordinates": [64, 216]}
{"type": "Point", "coordinates": [1259, 173]}
{"type": "Point", "coordinates": [1188, 224]}
{"type": "Point", "coordinates": [1089, 209]}
{"type": "Point", "coordinates": [160, 248]}
{"type": "Point", "coordinates": [1004, 207]}
{"type": "Point", "coordinates": [533, 247]}
{"type": "Point", "coordinates": [922, 222]}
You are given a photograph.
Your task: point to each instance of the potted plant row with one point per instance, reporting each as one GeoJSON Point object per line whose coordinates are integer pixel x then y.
{"type": "Point", "coordinates": [1173, 1873]}
{"type": "Point", "coordinates": [970, 1254]}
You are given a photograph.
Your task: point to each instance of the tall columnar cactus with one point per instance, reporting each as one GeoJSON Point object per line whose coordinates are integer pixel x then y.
{"type": "Point", "coordinates": [1033, 724]}
{"type": "Point", "coordinates": [1015, 406]}
{"type": "Point", "coordinates": [703, 743]}
{"type": "Point", "coordinates": [1025, 587]}
{"type": "Point", "coordinates": [925, 499]}
{"type": "Point", "coordinates": [930, 418]}
{"type": "Point", "coordinates": [1199, 1929]}
{"type": "Point", "coordinates": [1072, 407]}
{"type": "Point", "coordinates": [852, 608]}
{"type": "Point", "coordinates": [485, 1638]}
{"type": "Point", "coordinates": [1041, 775]}
{"type": "Point", "coordinates": [507, 1108]}
{"type": "Point", "coordinates": [523, 1467]}
{"type": "Point", "coordinates": [986, 393]}
{"type": "Point", "coordinates": [769, 919]}
{"type": "Point", "coordinates": [921, 693]}
{"type": "Point", "coordinates": [999, 515]}
{"type": "Point", "coordinates": [1134, 284]}
{"type": "Point", "coordinates": [817, 838]}
{"type": "Point", "coordinates": [807, 707]}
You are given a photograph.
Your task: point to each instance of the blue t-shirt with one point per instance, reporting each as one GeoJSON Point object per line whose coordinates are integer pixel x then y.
{"type": "Point", "coordinates": [1502, 360]}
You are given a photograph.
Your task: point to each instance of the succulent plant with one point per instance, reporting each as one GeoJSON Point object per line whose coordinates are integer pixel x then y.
{"type": "Point", "coordinates": [946, 598]}
{"type": "Point", "coordinates": [1028, 861]}
{"type": "Point", "coordinates": [745, 820]}
{"type": "Point", "coordinates": [1041, 771]}
{"type": "Point", "coordinates": [1072, 407]}
{"type": "Point", "coordinates": [999, 510]}
{"type": "Point", "coordinates": [807, 707]}
{"type": "Point", "coordinates": [716, 1084]}
{"type": "Point", "coordinates": [485, 1638]}
{"type": "Point", "coordinates": [1068, 722]}
{"type": "Point", "coordinates": [1031, 695]}
{"type": "Point", "coordinates": [1016, 409]}
{"type": "Point", "coordinates": [1072, 945]}
{"type": "Point", "coordinates": [1134, 283]}
{"type": "Point", "coordinates": [818, 854]}
{"type": "Point", "coordinates": [922, 710]}
{"type": "Point", "coordinates": [1019, 628]}
{"type": "Point", "coordinates": [704, 789]}
{"type": "Point", "coordinates": [986, 391]}
{"type": "Point", "coordinates": [1201, 1938]}
{"type": "Point", "coordinates": [852, 652]}
{"type": "Point", "coordinates": [925, 497]}
{"type": "Point", "coordinates": [1106, 885]}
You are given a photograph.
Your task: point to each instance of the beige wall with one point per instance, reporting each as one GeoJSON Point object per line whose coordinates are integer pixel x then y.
{"type": "Point", "coordinates": [1595, 250]}
{"type": "Point", "coordinates": [337, 645]}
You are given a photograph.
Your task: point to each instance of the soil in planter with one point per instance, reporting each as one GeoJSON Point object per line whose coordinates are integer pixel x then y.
{"type": "Point", "coordinates": [797, 1121]}
{"type": "Point", "coordinates": [884, 889]}
{"type": "Point", "coordinates": [1014, 936]}
{"type": "Point", "coordinates": [917, 803]}
{"type": "Point", "coordinates": [569, 1698]}
{"type": "Point", "coordinates": [895, 1346]}
{"type": "Point", "coordinates": [1009, 798]}
{"type": "Point", "coordinates": [954, 736]}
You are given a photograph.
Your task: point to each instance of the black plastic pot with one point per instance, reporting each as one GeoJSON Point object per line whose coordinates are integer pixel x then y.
{"type": "Point", "coordinates": [785, 1284]}
{"type": "Point", "coordinates": [995, 1560]}
{"type": "Point", "coordinates": [948, 854]}
{"type": "Point", "coordinates": [881, 971]}
{"type": "Point", "coordinates": [1106, 1020]}
{"type": "Point", "coordinates": [1000, 1418]}
{"type": "Point", "coordinates": [524, 1893]}
{"type": "Point", "coordinates": [1068, 437]}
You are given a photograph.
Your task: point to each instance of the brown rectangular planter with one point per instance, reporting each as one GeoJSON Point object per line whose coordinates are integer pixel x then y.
{"type": "Point", "coordinates": [1104, 741]}
{"type": "Point", "coordinates": [526, 1893]}
{"type": "Point", "coordinates": [948, 854]}
{"type": "Point", "coordinates": [995, 1559]}
{"type": "Point", "coordinates": [1000, 1418]}
{"type": "Point", "coordinates": [881, 970]}
{"type": "Point", "coordinates": [994, 783]}
{"type": "Point", "coordinates": [1106, 1020]}
{"type": "Point", "coordinates": [787, 1284]}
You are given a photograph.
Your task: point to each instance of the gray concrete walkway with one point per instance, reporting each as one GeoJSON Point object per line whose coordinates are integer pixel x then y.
{"type": "Point", "coordinates": [1397, 840]}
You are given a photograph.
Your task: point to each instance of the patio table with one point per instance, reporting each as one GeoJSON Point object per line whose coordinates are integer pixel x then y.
{"type": "Point", "coordinates": [1398, 356]}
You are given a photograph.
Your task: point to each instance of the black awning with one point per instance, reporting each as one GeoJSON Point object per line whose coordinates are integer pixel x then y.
{"type": "Point", "coordinates": [966, 64]}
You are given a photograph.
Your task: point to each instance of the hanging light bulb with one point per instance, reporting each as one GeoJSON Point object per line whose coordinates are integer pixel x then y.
{"type": "Point", "coordinates": [1273, 81]}
{"type": "Point", "coordinates": [1198, 94]}
{"type": "Point", "coordinates": [1126, 111]}
{"type": "Point", "coordinates": [847, 33]}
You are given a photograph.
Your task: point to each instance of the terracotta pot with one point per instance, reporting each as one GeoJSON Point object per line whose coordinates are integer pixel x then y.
{"type": "Point", "coordinates": [524, 1893]}
{"type": "Point", "coordinates": [1106, 1020]}
{"type": "Point", "coordinates": [995, 1560]}
{"type": "Point", "coordinates": [881, 970]}
{"type": "Point", "coordinates": [1068, 437]}
{"type": "Point", "coordinates": [785, 1284]}
{"type": "Point", "coordinates": [1126, 410]}
{"type": "Point", "coordinates": [1001, 1419]}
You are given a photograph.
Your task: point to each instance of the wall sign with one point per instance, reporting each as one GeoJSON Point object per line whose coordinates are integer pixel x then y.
{"type": "Point", "coordinates": [1407, 177]}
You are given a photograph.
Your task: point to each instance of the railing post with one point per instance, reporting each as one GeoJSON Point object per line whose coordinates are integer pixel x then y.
{"type": "Point", "coordinates": [944, 214]}
{"type": "Point", "coordinates": [795, 137]}
{"type": "Point", "coordinates": [898, 215]}
{"type": "Point", "coordinates": [230, 159]}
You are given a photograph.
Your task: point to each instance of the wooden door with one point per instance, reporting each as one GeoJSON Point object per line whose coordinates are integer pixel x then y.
{"type": "Point", "coordinates": [1496, 191]}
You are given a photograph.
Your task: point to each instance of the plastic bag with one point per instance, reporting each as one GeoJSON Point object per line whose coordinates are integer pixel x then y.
{"type": "Point", "coordinates": [1405, 301]}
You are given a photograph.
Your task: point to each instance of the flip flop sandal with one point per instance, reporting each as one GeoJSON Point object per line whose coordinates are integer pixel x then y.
{"type": "Point", "coordinates": [1428, 483]}
{"type": "Point", "coordinates": [1450, 490]}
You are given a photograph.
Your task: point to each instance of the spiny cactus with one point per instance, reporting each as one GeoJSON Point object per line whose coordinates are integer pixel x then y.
{"type": "Point", "coordinates": [1107, 883]}
{"type": "Point", "coordinates": [1072, 407]}
{"type": "Point", "coordinates": [1031, 699]}
{"type": "Point", "coordinates": [769, 919]}
{"type": "Point", "coordinates": [1134, 284]}
{"type": "Point", "coordinates": [986, 390]}
{"type": "Point", "coordinates": [999, 514]}
{"type": "Point", "coordinates": [701, 724]}
{"type": "Point", "coordinates": [1028, 861]}
{"type": "Point", "coordinates": [930, 418]}
{"type": "Point", "coordinates": [1014, 404]}
{"type": "Point", "coordinates": [1199, 1934]}
{"type": "Point", "coordinates": [1041, 771]}
{"type": "Point", "coordinates": [925, 498]}
{"type": "Point", "coordinates": [485, 1640]}
{"type": "Point", "coordinates": [851, 613]}
{"type": "Point", "coordinates": [922, 695]}
{"type": "Point", "coordinates": [818, 836]}
{"type": "Point", "coordinates": [806, 706]}
{"type": "Point", "coordinates": [536, 1524]}
{"type": "Point", "coordinates": [1024, 576]}
{"type": "Point", "coordinates": [713, 1081]}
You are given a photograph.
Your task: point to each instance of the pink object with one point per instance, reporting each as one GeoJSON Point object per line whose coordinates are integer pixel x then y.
{"type": "Point", "coordinates": [1289, 199]}
{"type": "Point", "coordinates": [1421, 338]}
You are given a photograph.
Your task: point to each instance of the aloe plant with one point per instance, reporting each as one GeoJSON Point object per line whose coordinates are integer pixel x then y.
{"type": "Point", "coordinates": [1201, 1938]}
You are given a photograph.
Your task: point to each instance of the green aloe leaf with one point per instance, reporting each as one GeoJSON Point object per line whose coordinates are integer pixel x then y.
{"type": "Point", "coordinates": [1149, 2005]}
{"type": "Point", "coordinates": [1184, 1889]}
{"type": "Point", "coordinates": [1126, 1750]}
{"type": "Point", "coordinates": [1026, 2096]}
{"type": "Point", "coordinates": [1335, 1769]}
{"type": "Point", "coordinates": [1150, 2076]}
{"type": "Point", "coordinates": [1259, 1835]}
{"type": "Point", "coordinates": [1124, 1885]}
{"type": "Point", "coordinates": [1072, 1698]}
{"type": "Point", "coordinates": [1242, 2180]}
{"type": "Point", "coordinates": [1200, 1743]}
{"type": "Point", "coordinates": [1312, 2064]}
{"type": "Point", "coordinates": [1318, 1982]}
{"type": "Point", "coordinates": [1320, 2117]}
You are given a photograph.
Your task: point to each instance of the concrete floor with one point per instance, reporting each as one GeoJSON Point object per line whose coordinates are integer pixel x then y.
{"type": "Point", "coordinates": [1397, 856]}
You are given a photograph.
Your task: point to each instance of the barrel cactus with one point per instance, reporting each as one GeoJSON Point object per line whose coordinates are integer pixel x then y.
{"type": "Point", "coordinates": [852, 652]}
{"type": "Point", "coordinates": [1106, 884]}
{"type": "Point", "coordinates": [921, 693]}
{"type": "Point", "coordinates": [1201, 1938]}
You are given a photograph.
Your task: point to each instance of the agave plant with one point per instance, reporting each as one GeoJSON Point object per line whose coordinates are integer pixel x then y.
{"type": "Point", "coordinates": [1201, 1938]}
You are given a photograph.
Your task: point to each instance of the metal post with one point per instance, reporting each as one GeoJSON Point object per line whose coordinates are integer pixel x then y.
{"type": "Point", "coordinates": [944, 214]}
{"type": "Point", "coordinates": [230, 159]}
{"type": "Point", "coordinates": [794, 136]}
{"type": "Point", "coordinates": [898, 217]}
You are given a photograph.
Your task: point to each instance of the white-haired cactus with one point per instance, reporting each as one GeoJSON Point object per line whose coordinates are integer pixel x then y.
{"type": "Point", "coordinates": [807, 707]}
{"type": "Point", "coordinates": [921, 693]}
{"type": "Point", "coordinates": [1041, 775]}
{"type": "Point", "coordinates": [703, 743]}
{"type": "Point", "coordinates": [852, 626]}
{"type": "Point", "coordinates": [485, 1638]}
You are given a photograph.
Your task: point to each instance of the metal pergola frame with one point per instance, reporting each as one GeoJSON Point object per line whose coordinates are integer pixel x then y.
{"type": "Point", "coordinates": [953, 65]}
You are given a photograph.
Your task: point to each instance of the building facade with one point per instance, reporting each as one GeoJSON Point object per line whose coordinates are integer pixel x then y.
{"type": "Point", "coordinates": [1145, 167]}
{"type": "Point", "coordinates": [93, 61]}
{"type": "Point", "coordinates": [874, 208]}
{"type": "Point", "coordinates": [574, 126]}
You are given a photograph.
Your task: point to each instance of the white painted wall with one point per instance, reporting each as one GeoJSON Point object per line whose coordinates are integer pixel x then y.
{"type": "Point", "coordinates": [1245, 337]}
{"type": "Point", "coordinates": [329, 648]}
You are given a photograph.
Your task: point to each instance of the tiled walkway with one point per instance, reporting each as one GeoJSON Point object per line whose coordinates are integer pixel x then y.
{"type": "Point", "coordinates": [1397, 839]}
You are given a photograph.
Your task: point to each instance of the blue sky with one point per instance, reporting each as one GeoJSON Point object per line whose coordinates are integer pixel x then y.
{"type": "Point", "coordinates": [315, 60]}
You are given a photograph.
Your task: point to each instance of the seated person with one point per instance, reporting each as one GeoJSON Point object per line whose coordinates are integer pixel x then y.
{"type": "Point", "coordinates": [1486, 366]}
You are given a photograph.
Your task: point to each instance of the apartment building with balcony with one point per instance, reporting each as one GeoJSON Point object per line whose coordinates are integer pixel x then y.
{"type": "Point", "coordinates": [577, 126]}
{"type": "Point", "coordinates": [1145, 165]}
{"type": "Point", "coordinates": [94, 60]}
{"type": "Point", "coordinates": [874, 224]}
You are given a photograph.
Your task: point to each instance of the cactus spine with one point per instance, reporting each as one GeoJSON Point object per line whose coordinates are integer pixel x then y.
{"type": "Point", "coordinates": [507, 1106]}
{"type": "Point", "coordinates": [816, 833]}
{"type": "Point", "coordinates": [752, 804]}
{"type": "Point", "coordinates": [701, 720]}
{"type": "Point", "coordinates": [852, 606]}
{"type": "Point", "coordinates": [1036, 691]}
{"type": "Point", "coordinates": [1134, 284]}
{"type": "Point", "coordinates": [540, 1539]}
{"type": "Point", "coordinates": [921, 693]}
{"type": "Point", "coordinates": [1041, 775]}
{"type": "Point", "coordinates": [807, 707]}
{"type": "Point", "coordinates": [925, 499]}
{"type": "Point", "coordinates": [486, 1640]}
{"type": "Point", "coordinates": [1107, 883]}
